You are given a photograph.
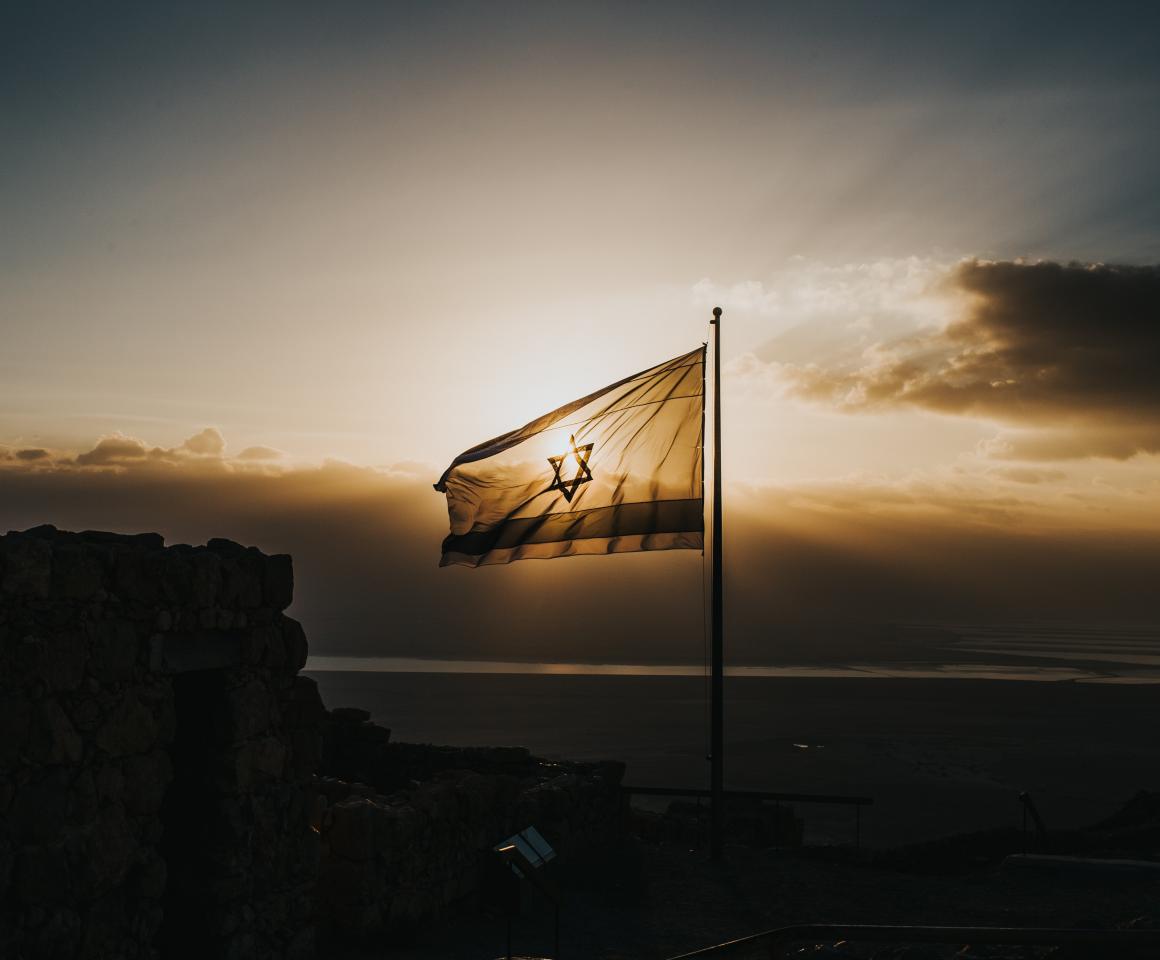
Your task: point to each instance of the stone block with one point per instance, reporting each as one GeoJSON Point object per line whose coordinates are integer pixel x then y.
{"type": "Point", "coordinates": [252, 761]}
{"type": "Point", "coordinates": [306, 749]}
{"type": "Point", "coordinates": [77, 572]}
{"type": "Point", "coordinates": [278, 582]}
{"type": "Point", "coordinates": [104, 932]}
{"type": "Point", "coordinates": [66, 654]}
{"type": "Point", "coordinates": [242, 581]}
{"type": "Point", "coordinates": [27, 567]}
{"type": "Point", "coordinates": [136, 541]}
{"type": "Point", "coordinates": [137, 576]}
{"type": "Point", "coordinates": [177, 578]}
{"type": "Point", "coordinates": [294, 646]}
{"type": "Point", "coordinates": [352, 829]}
{"type": "Point", "coordinates": [40, 807]}
{"type": "Point", "coordinates": [146, 778]}
{"type": "Point", "coordinates": [109, 781]}
{"type": "Point", "coordinates": [149, 877]}
{"type": "Point", "coordinates": [85, 713]}
{"type": "Point", "coordinates": [350, 715]}
{"type": "Point", "coordinates": [15, 719]}
{"type": "Point", "coordinates": [58, 935]}
{"type": "Point", "coordinates": [130, 728]}
{"type": "Point", "coordinates": [345, 883]}
{"type": "Point", "coordinates": [52, 737]}
{"type": "Point", "coordinates": [42, 875]}
{"type": "Point", "coordinates": [205, 578]}
{"type": "Point", "coordinates": [110, 850]}
{"type": "Point", "coordinates": [117, 651]}
{"type": "Point", "coordinates": [306, 708]}
{"type": "Point", "coordinates": [249, 710]}
{"type": "Point", "coordinates": [225, 548]}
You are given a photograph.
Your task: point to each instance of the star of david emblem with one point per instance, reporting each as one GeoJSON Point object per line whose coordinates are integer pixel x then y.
{"type": "Point", "coordinates": [577, 455]}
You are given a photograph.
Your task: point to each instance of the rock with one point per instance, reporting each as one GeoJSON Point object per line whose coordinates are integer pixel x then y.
{"type": "Point", "coordinates": [278, 582]}
{"type": "Point", "coordinates": [350, 715]}
{"type": "Point", "coordinates": [146, 778]}
{"type": "Point", "coordinates": [109, 782]}
{"type": "Point", "coordinates": [137, 576]}
{"type": "Point", "coordinates": [149, 877]}
{"type": "Point", "coordinates": [15, 718]}
{"type": "Point", "coordinates": [206, 578]}
{"type": "Point", "coordinates": [352, 829]}
{"type": "Point", "coordinates": [64, 661]}
{"type": "Point", "coordinates": [52, 738]}
{"type": "Point", "coordinates": [42, 875]}
{"type": "Point", "coordinates": [252, 760]}
{"type": "Point", "coordinates": [306, 709]}
{"type": "Point", "coordinates": [224, 547]}
{"type": "Point", "coordinates": [249, 710]}
{"type": "Point", "coordinates": [27, 566]}
{"type": "Point", "coordinates": [77, 573]}
{"type": "Point", "coordinates": [116, 649]}
{"type": "Point", "coordinates": [130, 728]}
{"type": "Point", "coordinates": [140, 541]}
{"type": "Point", "coordinates": [40, 807]}
{"type": "Point", "coordinates": [294, 638]}
{"type": "Point", "coordinates": [109, 851]}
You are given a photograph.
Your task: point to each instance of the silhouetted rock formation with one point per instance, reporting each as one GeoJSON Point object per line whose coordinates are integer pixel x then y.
{"type": "Point", "coordinates": [407, 829]}
{"type": "Point", "coordinates": [156, 750]}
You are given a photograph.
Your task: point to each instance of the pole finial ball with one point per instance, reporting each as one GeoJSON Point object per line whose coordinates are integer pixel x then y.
{"type": "Point", "coordinates": [717, 312]}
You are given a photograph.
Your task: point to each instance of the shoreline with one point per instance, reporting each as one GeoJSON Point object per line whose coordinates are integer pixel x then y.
{"type": "Point", "coordinates": [1079, 671]}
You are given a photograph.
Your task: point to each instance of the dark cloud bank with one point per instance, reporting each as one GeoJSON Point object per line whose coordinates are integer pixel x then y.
{"type": "Point", "coordinates": [1069, 354]}
{"type": "Point", "coordinates": [366, 545]}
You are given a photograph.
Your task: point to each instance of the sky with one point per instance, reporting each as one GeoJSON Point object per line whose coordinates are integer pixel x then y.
{"type": "Point", "coordinates": [265, 269]}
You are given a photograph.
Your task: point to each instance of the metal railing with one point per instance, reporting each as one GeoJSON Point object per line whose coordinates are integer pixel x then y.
{"type": "Point", "coordinates": [778, 942]}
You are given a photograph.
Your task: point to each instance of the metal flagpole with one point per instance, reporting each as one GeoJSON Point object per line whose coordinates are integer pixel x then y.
{"type": "Point", "coordinates": [717, 711]}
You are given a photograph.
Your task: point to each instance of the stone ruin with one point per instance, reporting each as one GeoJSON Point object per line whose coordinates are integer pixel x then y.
{"type": "Point", "coordinates": [171, 787]}
{"type": "Point", "coordinates": [156, 751]}
{"type": "Point", "coordinates": [407, 829]}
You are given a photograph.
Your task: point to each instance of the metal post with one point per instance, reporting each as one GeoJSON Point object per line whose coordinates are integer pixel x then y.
{"type": "Point", "coordinates": [717, 735]}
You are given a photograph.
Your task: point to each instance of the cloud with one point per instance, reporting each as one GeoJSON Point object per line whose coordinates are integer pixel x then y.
{"type": "Point", "coordinates": [856, 295]}
{"type": "Point", "coordinates": [208, 443]}
{"type": "Point", "coordinates": [260, 453]}
{"type": "Point", "coordinates": [114, 450]}
{"type": "Point", "coordinates": [32, 453]}
{"type": "Point", "coordinates": [865, 549]}
{"type": "Point", "coordinates": [1067, 352]}
{"type": "Point", "coordinates": [117, 450]}
{"type": "Point", "coordinates": [1030, 475]}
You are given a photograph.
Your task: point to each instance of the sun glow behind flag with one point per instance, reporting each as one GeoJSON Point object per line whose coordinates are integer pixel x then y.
{"type": "Point", "coordinates": [617, 471]}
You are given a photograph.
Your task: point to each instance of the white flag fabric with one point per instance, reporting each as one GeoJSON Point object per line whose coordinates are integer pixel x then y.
{"type": "Point", "coordinates": [617, 471]}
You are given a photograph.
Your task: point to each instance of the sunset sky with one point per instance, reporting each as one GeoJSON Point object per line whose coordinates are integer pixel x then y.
{"type": "Point", "coordinates": [266, 268]}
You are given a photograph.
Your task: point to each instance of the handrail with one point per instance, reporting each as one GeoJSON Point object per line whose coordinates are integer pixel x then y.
{"type": "Point", "coordinates": [752, 794]}
{"type": "Point", "coordinates": [778, 939]}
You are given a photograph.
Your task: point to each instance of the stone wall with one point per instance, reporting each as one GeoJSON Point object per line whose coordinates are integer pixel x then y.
{"type": "Point", "coordinates": [407, 829]}
{"type": "Point", "coordinates": [156, 751]}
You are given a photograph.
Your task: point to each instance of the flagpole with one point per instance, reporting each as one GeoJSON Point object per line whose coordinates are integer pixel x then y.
{"type": "Point", "coordinates": [717, 711]}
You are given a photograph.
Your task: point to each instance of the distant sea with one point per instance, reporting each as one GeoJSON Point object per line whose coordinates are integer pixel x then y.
{"type": "Point", "coordinates": [943, 743]}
